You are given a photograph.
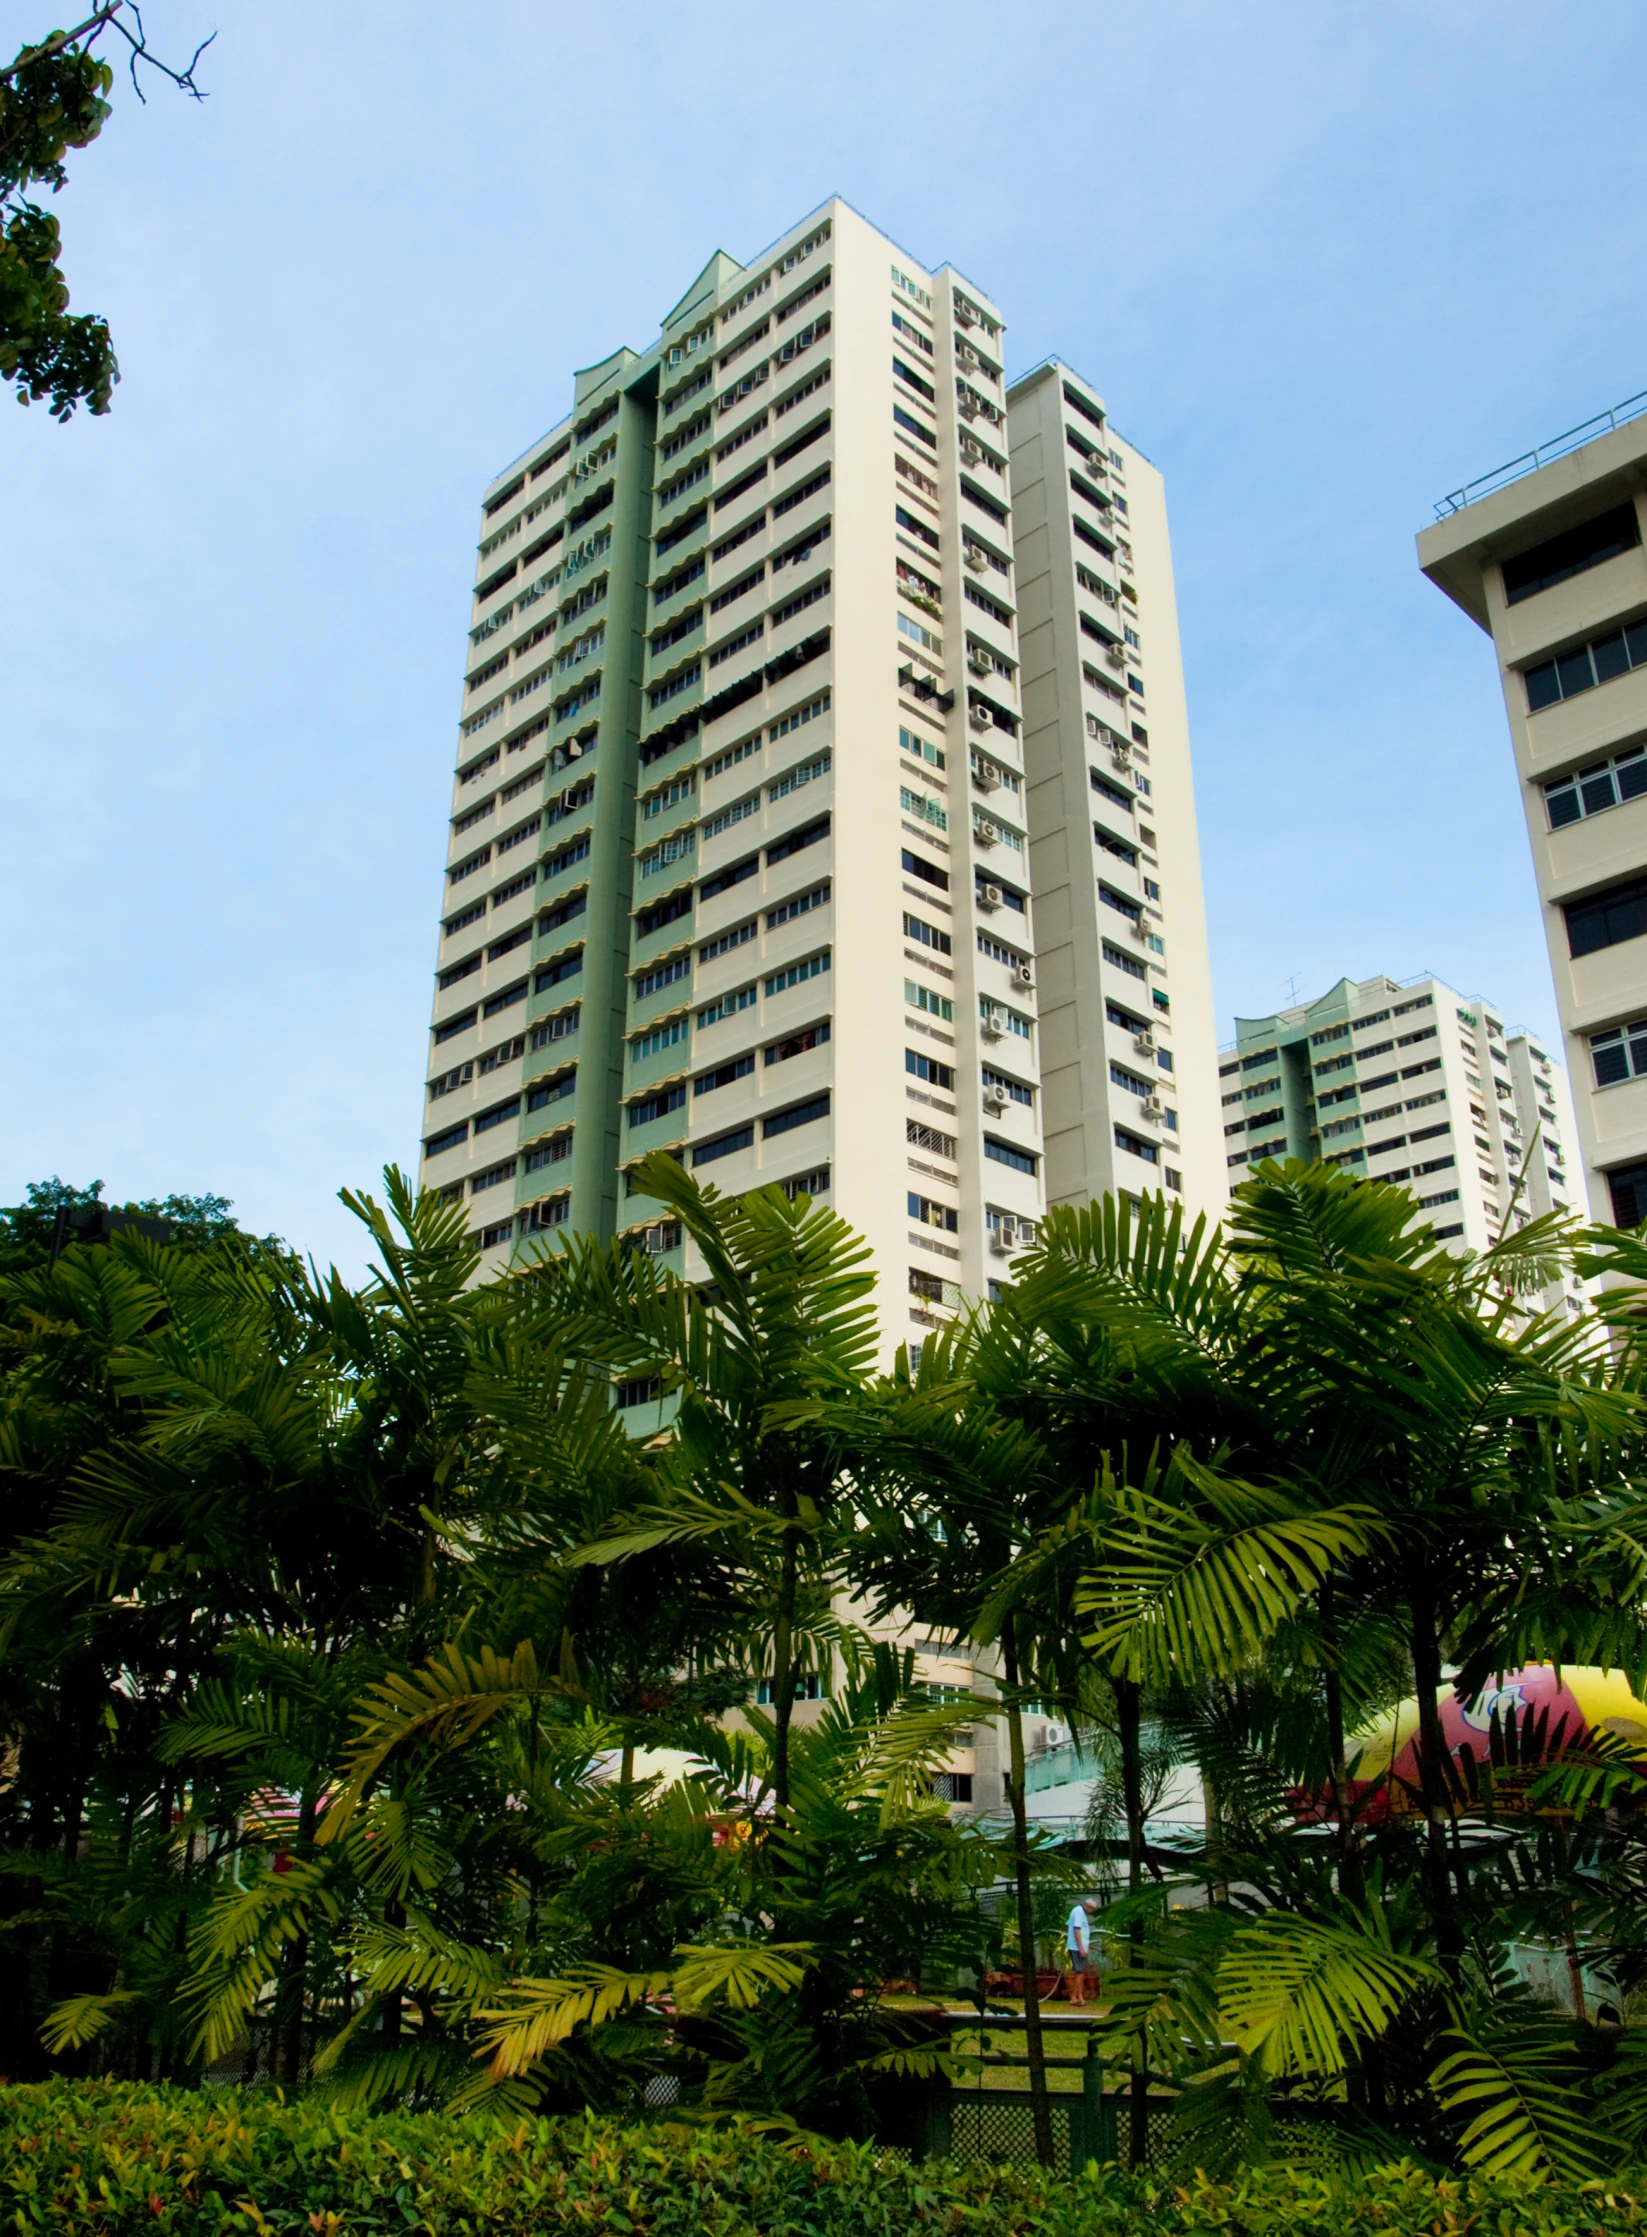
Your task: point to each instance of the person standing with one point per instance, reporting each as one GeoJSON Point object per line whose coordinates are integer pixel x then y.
{"type": "Point", "coordinates": [1078, 1948]}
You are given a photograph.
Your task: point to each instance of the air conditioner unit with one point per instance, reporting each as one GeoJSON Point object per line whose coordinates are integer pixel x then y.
{"type": "Point", "coordinates": [995, 1101]}
{"type": "Point", "coordinates": [975, 559]}
{"type": "Point", "coordinates": [1144, 1043]}
{"type": "Point", "coordinates": [972, 450]}
{"type": "Point", "coordinates": [992, 1024]}
{"type": "Point", "coordinates": [1121, 754]}
{"type": "Point", "coordinates": [980, 663]}
{"type": "Point", "coordinates": [979, 718]}
{"type": "Point", "coordinates": [984, 831]}
{"type": "Point", "coordinates": [1054, 1735]}
{"type": "Point", "coordinates": [967, 404]}
{"type": "Point", "coordinates": [1116, 655]}
{"type": "Point", "coordinates": [1003, 1238]}
{"type": "Point", "coordinates": [1023, 974]}
{"type": "Point", "coordinates": [967, 355]}
{"type": "Point", "coordinates": [1152, 1107]}
{"type": "Point", "coordinates": [965, 315]}
{"type": "Point", "coordinates": [989, 897]}
{"type": "Point", "coordinates": [985, 775]}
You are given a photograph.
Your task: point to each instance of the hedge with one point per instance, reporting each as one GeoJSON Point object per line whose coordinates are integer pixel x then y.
{"type": "Point", "coordinates": [121, 2159]}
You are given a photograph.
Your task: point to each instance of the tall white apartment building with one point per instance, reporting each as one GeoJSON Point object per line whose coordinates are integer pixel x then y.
{"type": "Point", "coordinates": [1409, 1082]}
{"type": "Point", "coordinates": [741, 853]}
{"type": "Point", "coordinates": [1128, 1038]}
{"type": "Point", "coordinates": [1546, 556]}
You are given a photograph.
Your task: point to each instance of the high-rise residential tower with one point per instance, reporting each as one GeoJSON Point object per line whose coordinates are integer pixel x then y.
{"type": "Point", "coordinates": [1407, 1081]}
{"type": "Point", "coordinates": [741, 862]}
{"type": "Point", "coordinates": [1546, 556]}
{"type": "Point", "coordinates": [1127, 1029]}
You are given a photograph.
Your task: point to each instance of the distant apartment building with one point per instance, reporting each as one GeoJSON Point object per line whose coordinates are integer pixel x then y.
{"type": "Point", "coordinates": [1408, 1082]}
{"type": "Point", "coordinates": [1546, 556]}
{"type": "Point", "coordinates": [744, 843]}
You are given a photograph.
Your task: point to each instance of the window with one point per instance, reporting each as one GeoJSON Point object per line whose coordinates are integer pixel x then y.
{"type": "Point", "coordinates": [1603, 785]}
{"type": "Point", "coordinates": [723, 1145]}
{"type": "Point", "coordinates": [1136, 1084]}
{"type": "Point", "coordinates": [1606, 919]}
{"type": "Point", "coordinates": [1627, 1185]}
{"type": "Point", "coordinates": [924, 810]}
{"type": "Point", "coordinates": [723, 880]}
{"type": "Point", "coordinates": [916, 866]}
{"type": "Point", "coordinates": [795, 974]}
{"type": "Point", "coordinates": [460, 1024]}
{"type": "Point", "coordinates": [800, 716]}
{"type": "Point", "coordinates": [1561, 557]}
{"type": "Point", "coordinates": [553, 1152]}
{"type": "Point", "coordinates": [998, 952]}
{"type": "Point", "coordinates": [797, 1044]}
{"type": "Point", "coordinates": [447, 1139]}
{"type": "Point", "coordinates": [801, 492]}
{"type": "Point", "coordinates": [497, 1115]}
{"type": "Point", "coordinates": [920, 997]}
{"type": "Point", "coordinates": [926, 1213]}
{"type": "Point", "coordinates": [682, 789]}
{"type": "Point", "coordinates": [929, 1069]}
{"type": "Point", "coordinates": [546, 1092]}
{"type": "Point", "coordinates": [1111, 792]}
{"type": "Point", "coordinates": [660, 1037]}
{"type": "Point", "coordinates": [1619, 1054]}
{"type": "Point", "coordinates": [728, 816]}
{"type": "Point", "coordinates": [808, 836]}
{"type": "Point", "coordinates": [798, 1114]}
{"type": "Point", "coordinates": [657, 1105]}
{"type": "Point", "coordinates": [740, 998]}
{"type": "Point", "coordinates": [929, 936]}
{"type": "Point", "coordinates": [643, 1391]}
{"type": "Point", "coordinates": [1585, 666]}
{"type": "Point", "coordinates": [921, 749]}
{"type": "Point", "coordinates": [660, 976]}
{"type": "Point", "coordinates": [493, 1177]}
{"type": "Point", "coordinates": [668, 911]}
{"type": "Point", "coordinates": [1006, 1153]}
{"type": "Point", "coordinates": [1004, 1083]}
{"type": "Point", "coordinates": [997, 894]}
{"type": "Point", "coordinates": [678, 843]}
{"type": "Point", "coordinates": [913, 527]}
{"type": "Point", "coordinates": [738, 1068]}
{"type": "Point", "coordinates": [1136, 1146]}
{"type": "Point", "coordinates": [799, 906]}
{"type": "Point", "coordinates": [1123, 962]}
{"type": "Point", "coordinates": [804, 773]}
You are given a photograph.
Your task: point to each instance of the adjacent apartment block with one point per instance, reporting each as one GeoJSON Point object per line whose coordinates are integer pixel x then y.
{"type": "Point", "coordinates": [1407, 1081]}
{"type": "Point", "coordinates": [741, 861]}
{"type": "Point", "coordinates": [1546, 556]}
{"type": "Point", "coordinates": [1127, 1029]}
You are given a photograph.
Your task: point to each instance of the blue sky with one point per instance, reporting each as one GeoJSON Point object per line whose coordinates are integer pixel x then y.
{"type": "Point", "coordinates": [1325, 264]}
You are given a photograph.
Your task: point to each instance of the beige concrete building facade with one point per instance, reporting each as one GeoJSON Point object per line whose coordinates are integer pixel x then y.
{"type": "Point", "coordinates": [746, 862]}
{"type": "Point", "coordinates": [1546, 556]}
{"type": "Point", "coordinates": [1128, 1038]}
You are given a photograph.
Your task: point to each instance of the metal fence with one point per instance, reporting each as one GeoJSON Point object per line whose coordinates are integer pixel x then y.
{"type": "Point", "coordinates": [984, 2119]}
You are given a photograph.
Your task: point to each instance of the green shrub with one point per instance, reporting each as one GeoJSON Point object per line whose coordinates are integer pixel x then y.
{"type": "Point", "coordinates": [123, 2159]}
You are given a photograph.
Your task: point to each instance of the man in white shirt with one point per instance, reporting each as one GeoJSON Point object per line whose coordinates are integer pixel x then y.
{"type": "Point", "coordinates": [1078, 1948]}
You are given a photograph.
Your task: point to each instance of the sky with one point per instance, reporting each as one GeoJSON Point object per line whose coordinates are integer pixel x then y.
{"type": "Point", "coordinates": [1324, 263]}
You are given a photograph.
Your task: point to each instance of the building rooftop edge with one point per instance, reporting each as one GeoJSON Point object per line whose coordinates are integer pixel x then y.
{"type": "Point", "coordinates": [1542, 454]}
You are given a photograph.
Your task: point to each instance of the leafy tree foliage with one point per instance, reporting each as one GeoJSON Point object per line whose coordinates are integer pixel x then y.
{"type": "Point", "coordinates": [52, 101]}
{"type": "Point", "coordinates": [402, 1681]}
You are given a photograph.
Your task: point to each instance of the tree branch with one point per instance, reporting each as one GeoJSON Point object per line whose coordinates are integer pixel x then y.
{"type": "Point", "coordinates": [103, 18]}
